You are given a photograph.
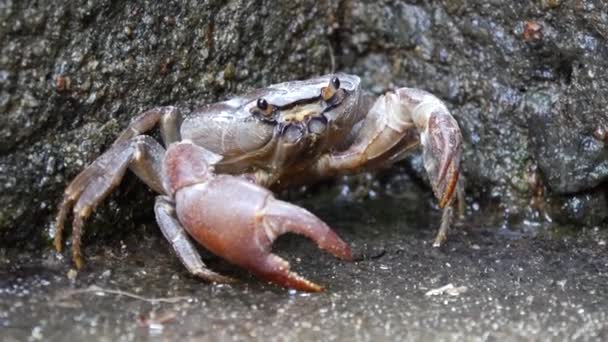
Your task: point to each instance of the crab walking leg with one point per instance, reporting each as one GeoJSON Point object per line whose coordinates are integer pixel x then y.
{"type": "Point", "coordinates": [146, 165]}
{"type": "Point", "coordinates": [179, 240]}
{"type": "Point", "coordinates": [142, 154]}
{"type": "Point", "coordinates": [446, 221]}
{"type": "Point", "coordinates": [167, 117]}
{"type": "Point", "coordinates": [396, 123]}
{"type": "Point", "coordinates": [440, 138]}
{"type": "Point", "coordinates": [460, 197]}
{"type": "Point", "coordinates": [441, 151]}
{"type": "Point", "coordinates": [385, 134]}
{"type": "Point", "coordinates": [238, 220]}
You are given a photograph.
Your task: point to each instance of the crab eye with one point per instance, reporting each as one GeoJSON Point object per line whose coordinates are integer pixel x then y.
{"type": "Point", "coordinates": [327, 93]}
{"type": "Point", "coordinates": [264, 107]}
{"type": "Point", "coordinates": [335, 82]}
{"type": "Point", "coordinates": [262, 104]}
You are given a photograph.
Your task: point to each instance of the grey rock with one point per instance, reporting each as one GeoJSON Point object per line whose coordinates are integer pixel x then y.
{"type": "Point", "coordinates": [524, 81]}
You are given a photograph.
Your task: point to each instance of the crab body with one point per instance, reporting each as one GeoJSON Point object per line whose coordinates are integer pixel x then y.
{"type": "Point", "coordinates": [219, 161]}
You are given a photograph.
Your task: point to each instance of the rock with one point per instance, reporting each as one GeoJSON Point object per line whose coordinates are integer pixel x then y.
{"type": "Point", "coordinates": [524, 81]}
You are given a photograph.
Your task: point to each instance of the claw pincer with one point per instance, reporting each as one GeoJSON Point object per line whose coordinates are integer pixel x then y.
{"type": "Point", "coordinates": [238, 220]}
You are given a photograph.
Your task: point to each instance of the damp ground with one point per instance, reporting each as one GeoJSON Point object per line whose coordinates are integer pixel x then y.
{"type": "Point", "coordinates": [528, 282]}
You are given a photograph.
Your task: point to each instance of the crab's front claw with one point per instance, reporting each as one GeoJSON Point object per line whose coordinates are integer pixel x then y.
{"type": "Point", "coordinates": [239, 221]}
{"type": "Point", "coordinates": [280, 217]}
{"type": "Point", "coordinates": [442, 144]}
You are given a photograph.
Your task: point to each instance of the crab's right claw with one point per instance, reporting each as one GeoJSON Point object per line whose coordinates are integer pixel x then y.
{"type": "Point", "coordinates": [442, 148]}
{"type": "Point", "coordinates": [239, 221]}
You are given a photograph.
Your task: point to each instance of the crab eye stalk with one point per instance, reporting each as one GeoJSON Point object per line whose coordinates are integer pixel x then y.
{"type": "Point", "coordinates": [264, 108]}
{"type": "Point", "coordinates": [327, 93]}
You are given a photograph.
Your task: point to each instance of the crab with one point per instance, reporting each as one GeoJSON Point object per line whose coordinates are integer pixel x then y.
{"type": "Point", "coordinates": [217, 165]}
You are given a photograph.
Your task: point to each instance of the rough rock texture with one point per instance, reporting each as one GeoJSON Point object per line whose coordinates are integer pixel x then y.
{"type": "Point", "coordinates": [527, 82]}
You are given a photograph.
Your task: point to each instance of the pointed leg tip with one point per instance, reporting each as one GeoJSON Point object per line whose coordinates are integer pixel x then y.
{"type": "Point", "coordinates": [220, 279]}
{"type": "Point", "coordinates": [58, 245]}
{"type": "Point", "coordinates": [440, 238]}
{"type": "Point", "coordinates": [77, 258]}
{"type": "Point", "coordinates": [442, 234]}
{"type": "Point", "coordinates": [57, 237]}
{"type": "Point", "coordinates": [212, 277]}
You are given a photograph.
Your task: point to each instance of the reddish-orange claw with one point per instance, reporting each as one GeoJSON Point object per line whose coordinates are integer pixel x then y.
{"type": "Point", "coordinates": [238, 220]}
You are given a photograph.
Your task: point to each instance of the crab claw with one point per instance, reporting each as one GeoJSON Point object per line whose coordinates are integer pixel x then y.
{"type": "Point", "coordinates": [239, 221]}
{"type": "Point", "coordinates": [442, 145]}
{"type": "Point", "coordinates": [281, 217]}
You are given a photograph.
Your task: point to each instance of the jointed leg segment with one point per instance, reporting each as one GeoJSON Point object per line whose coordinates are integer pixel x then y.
{"type": "Point", "coordinates": [142, 154]}
{"type": "Point", "coordinates": [396, 123]}
{"type": "Point", "coordinates": [167, 118]}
